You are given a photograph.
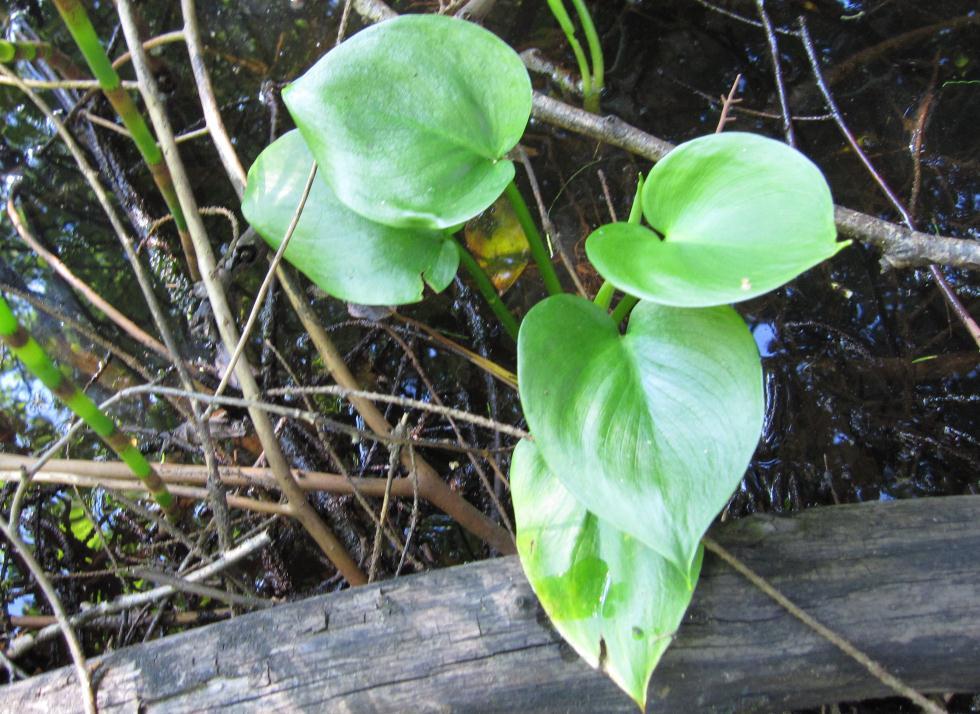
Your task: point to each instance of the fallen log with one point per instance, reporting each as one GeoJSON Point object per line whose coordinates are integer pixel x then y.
{"type": "Point", "coordinates": [901, 580]}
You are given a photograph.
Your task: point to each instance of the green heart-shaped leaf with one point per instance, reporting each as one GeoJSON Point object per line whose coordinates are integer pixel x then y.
{"type": "Point", "coordinates": [346, 255]}
{"type": "Point", "coordinates": [617, 602]}
{"type": "Point", "coordinates": [651, 430]}
{"type": "Point", "coordinates": [740, 214]}
{"type": "Point", "coordinates": [410, 120]}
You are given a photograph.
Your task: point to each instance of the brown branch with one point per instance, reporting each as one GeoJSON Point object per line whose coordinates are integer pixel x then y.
{"type": "Point", "coordinates": [302, 510]}
{"type": "Point", "coordinates": [115, 476]}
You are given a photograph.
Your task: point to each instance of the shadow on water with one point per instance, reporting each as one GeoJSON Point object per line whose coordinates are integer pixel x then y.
{"type": "Point", "coordinates": [872, 386]}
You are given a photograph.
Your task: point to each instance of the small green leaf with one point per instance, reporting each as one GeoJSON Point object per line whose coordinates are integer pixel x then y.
{"type": "Point", "coordinates": [346, 255]}
{"type": "Point", "coordinates": [81, 527]}
{"type": "Point", "coordinates": [651, 430]}
{"type": "Point", "coordinates": [740, 214]}
{"type": "Point", "coordinates": [617, 602]}
{"type": "Point", "coordinates": [411, 119]}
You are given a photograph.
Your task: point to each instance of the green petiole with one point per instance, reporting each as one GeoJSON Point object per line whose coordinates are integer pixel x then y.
{"type": "Point", "coordinates": [487, 290]}
{"type": "Point", "coordinates": [604, 297]}
{"type": "Point", "coordinates": [538, 249]}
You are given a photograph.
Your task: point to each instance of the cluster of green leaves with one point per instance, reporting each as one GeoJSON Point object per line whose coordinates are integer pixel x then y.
{"type": "Point", "coordinates": [639, 438]}
{"type": "Point", "coordinates": [409, 144]}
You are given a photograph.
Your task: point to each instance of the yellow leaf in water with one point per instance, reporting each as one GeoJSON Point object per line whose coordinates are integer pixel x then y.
{"type": "Point", "coordinates": [498, 243]}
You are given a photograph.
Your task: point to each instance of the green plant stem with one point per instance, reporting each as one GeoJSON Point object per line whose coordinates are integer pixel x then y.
{"type": "Point", "coordinates": [11, 51]}
{"type": "Point", "coordinates": [623, 307]}
{"type": "Point", "coordinates": [536, 243]}
{"type": "Point", "coordinates": [565, 22]}
{"type": "Point", "coordinates": [488, 291]}
{"type": "Point", "coordinates": [80, 27]}
{"type": "Point", "coordinates": [34, 358]}
{"type": "Point", "coordinates": [604, 296]}
{"type": "Point", "coordinates": [595, 54]}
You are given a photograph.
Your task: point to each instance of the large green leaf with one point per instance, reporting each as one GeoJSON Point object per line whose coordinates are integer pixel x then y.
{"type": "Point", "coordinates": [614, 600]}
{"type": "Point", "coordinates": [651, 430]}
{"type": "Point", "coordinates": [346, 255]}
{"type": "Point", "coordinates": [740, 214]}
{"type": "Point", "coordinates": [410, 120]}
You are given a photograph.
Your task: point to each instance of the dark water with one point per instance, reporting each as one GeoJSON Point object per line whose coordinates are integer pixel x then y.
{"type": "Point", "coordinates": [872, 384]}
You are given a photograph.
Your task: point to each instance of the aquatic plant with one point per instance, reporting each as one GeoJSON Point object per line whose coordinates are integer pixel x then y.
{"type": "Point", "coordinates": [591, 69]}
{"type": "Point", "coordinates": [639, 438]}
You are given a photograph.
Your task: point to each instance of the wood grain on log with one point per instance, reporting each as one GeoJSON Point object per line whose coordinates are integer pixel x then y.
{"type": "Point", "coordinates": [901, 580]}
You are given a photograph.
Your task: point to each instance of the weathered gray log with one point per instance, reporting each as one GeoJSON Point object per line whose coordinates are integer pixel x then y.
{"type": "Point", "coordinates": [901, 580]}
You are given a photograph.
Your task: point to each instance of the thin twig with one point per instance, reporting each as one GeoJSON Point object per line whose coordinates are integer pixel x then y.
{"type": "Point", "coordinates": [200, 590]}
{"type": "Point", "coordinates": [393, 457]}
{"type": "Point", "coordinates": [496, 371]}
{"type": "Point", "coordinates": [263, 289]}
{"type": "Point", "coordinates": [440, 409]}
{"type": "Point", "coordinates": [922, 115]}
{"type": "Point", "coordinates": [951, 297]}
{"type": "Point", "coordinates": [302, 510]}
{"type": "Point", "coordinates": [550, 232]}
{"type": "Point", "coordinates": [413, 520]}
{"type": "Point", "coordinates": [212, 116]}
{"type": "Point", "coordinates": [24, 643]}
{"type": "Point", "coordinates": [727, 103]}
{"type": "Point", "coordinates": [59, 83]}
{"type": "Point", "coordinates": [741, 18]}
{"type": "Point", "coordinates": [123, 322]}
{"type": "Point", "coordinates": [106, 124]}
{"type": "Point", "coordinates": [777, 72]}
{"type": "Point", "coordinates": [195, 134]}
{"type": "Point", "coordinates": [608, 196]}
{"type": "Point", "coordinates": [342, 26]}
{"type": "Point", "coordinates": [64, 626]}
{"type": "Point", "coordinates": [874, 668]}
{"type": "Point", "coordinates": [309, 417]}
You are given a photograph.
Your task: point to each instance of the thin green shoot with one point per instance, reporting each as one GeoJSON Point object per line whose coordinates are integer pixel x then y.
{"type": "Point", "coordinates": [538, 249]}
{"type": "Point", "coordinates": [593, 76]}
{"type": "Point", "coordinates": [76, 19]}
{"type": "Point", "coordinates": [603, 298]}
{"type": "Point", "coordinates": [488, 291]}
{"type": "Point", "coordinates": [37, 361]}
{"type": "Point", "coordinates": [623, 308]}
{"type": "Point", "coordinates": [595, 54]}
